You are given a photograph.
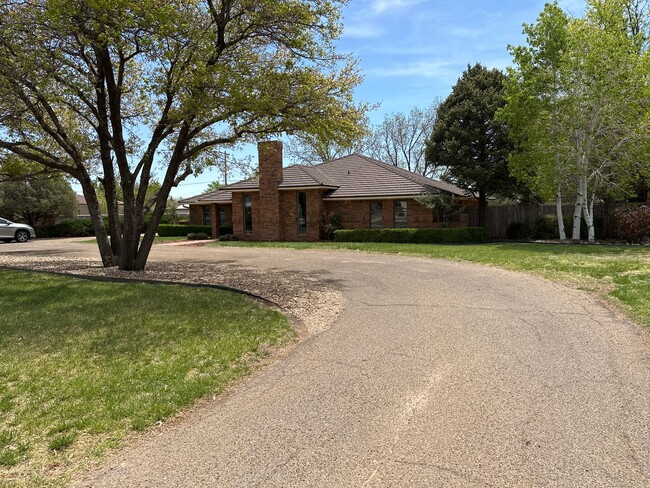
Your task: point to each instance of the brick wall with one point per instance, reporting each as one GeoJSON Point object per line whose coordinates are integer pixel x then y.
{"type": "Point", "coordinates": [289, 215]}
{"type": "Point", "coordinates": [355, 214]}
{"type": "Point", "coordinates": [270, 171]}
{"type": "Point", "coordinates": [196, 214]}
{"type": "Point", "coordinates": [228, 215]}
{"type": "Point", "coordinates": [238, 216]}
{"type": "Point", "coordinates": [418, 216]}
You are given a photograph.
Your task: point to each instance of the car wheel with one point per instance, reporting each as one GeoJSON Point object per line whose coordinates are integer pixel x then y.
{"type": "Point", "coordinates": [22, 236]}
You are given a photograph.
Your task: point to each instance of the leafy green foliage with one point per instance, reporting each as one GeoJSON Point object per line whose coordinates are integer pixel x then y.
{"type": "Point", "coordinates": [519, 231]}
{"type": "Point", "coordinates": [197, 236]}
{"type": "Point", "coordinates": [67, 228]}
{"type": "Point", "coordinates": [118, 93]}
{"type": "Point", "coordinates": [545, 227]}
{"type": "Point", "coordinates": [330, 223]}
{"type": "Point", "coordinates": [170, 230]}
{"type": "Point", "coordinates": [34, 200]}
{"type": "Point", "coordinates": [577, 105]}
{"type": "Point", "coordinates": [413, 236]}
{"type": "Point", "coordinates": [444, 206]}
{"type": "Point", "coordinates": [213, 186]}
{"type": "Point", "coordinates": [467, 139]}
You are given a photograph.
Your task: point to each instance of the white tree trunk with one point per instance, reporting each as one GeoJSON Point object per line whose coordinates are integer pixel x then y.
{"type": "Point", "coordinates": [560, 217]}
{"type": "Point", "coordinates": [577, 212]}
{"type": "Point", "coordinates": [588, 209]}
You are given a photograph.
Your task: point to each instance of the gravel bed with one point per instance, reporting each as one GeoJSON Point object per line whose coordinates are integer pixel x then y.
{"type": "Point", "coordinates": [312, 305]}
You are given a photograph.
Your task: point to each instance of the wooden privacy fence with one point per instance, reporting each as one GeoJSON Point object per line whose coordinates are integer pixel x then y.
{"type": "Point", "coordinates": [500, 217]}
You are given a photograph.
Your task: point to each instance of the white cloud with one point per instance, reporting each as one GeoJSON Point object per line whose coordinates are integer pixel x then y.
{"type": "Point", "coordinates": [382, 6]}
{"type": "Point", "coordinates": [418, 68]}
{"type": "Point", "coordinates": [362, 31]}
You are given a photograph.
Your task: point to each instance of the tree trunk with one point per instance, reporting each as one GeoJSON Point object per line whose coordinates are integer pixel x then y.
{"type": "Point", "coordinates": [588, 210]}
{"type": "Point", "coordinates": [560, 217]}
{"type": "Point", "coordinates": [105, 250]}
{"type": "Point", "coordinates": [577, 212]}
{"type": "Point", "coordinates": [482, 209]}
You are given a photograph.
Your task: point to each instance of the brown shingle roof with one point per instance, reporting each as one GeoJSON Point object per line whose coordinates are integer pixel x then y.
{"type": "Point", "coordinates": [363, 177]}
{"type": "Point", "coordinates": [219, 196]}
{"type": "Point", "coordinates": [353, 176]}
{"type": "Point", "coordinates": [250, 184]}
{"type": "Point", "coordinates": [298, 176]}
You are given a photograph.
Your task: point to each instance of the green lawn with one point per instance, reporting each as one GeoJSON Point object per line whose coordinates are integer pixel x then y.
{"type": "Point", "coordinates": [618, 272]}
{"type": "Point", "coordinates": [84, 363]}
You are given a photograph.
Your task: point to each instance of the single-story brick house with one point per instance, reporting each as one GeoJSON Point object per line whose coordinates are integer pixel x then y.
{"type": "Point", "coordinates": [290, 204]}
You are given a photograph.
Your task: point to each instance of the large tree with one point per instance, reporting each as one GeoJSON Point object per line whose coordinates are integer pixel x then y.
{"type": "Point", "coordinates": [400, 139]}
{"type": "Point", "coordinates": [535, 105]}
{"type": "Point", "coordinates": [469, 141]}
{"type": "Point", "coordinates": [577, 105]}
{"type": "Point", "coordinates": [34, 200]}
{"type": "Point", "coordinates": [118, 91]}
{"type": "Point", "coordinates": [313, 148]}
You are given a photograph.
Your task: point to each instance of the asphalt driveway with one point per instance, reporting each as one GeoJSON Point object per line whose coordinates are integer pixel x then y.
{"type": "Point", "coordinates": [435, 374]}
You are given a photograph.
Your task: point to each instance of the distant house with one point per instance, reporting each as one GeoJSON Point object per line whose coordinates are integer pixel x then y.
{"type": "Point", "coordinates": [290, 204]}
{"type": "Point", "coordinates": [84, 214]}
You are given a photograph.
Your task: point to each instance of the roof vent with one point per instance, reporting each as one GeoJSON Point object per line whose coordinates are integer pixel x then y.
{"type": "Point", "coordinates": [348, 172]}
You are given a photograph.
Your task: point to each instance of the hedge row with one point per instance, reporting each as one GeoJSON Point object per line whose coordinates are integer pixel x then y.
{"type": "Point", "coordinates": [68, 228]}
{"type": "Point", "coordinates": [545, 227]}
{"type": "Point", "coordinates": [414, 236]}
{"type": "Point", "coordinates": [170, 230]}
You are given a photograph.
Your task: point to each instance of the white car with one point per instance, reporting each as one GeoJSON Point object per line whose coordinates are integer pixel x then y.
{"type": "Point", "coordinates": [10, 231]}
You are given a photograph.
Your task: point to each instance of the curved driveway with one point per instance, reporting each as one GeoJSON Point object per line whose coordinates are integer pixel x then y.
{"type": "Point", "coordinates": [435, 374]}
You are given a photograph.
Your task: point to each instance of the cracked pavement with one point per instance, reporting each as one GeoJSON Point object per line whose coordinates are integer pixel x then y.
{"type": "Point", "coordinates": [436, 373]}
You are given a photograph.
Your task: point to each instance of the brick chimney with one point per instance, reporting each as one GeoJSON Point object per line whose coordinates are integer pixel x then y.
{"type": "Point", "coordinates": [270, 175]}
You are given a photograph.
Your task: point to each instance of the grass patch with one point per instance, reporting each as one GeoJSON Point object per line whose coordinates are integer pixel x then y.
{"type": "Point", "coordinates": [82, 364]}
{"type": "Point", "coordinates": [620, 272]}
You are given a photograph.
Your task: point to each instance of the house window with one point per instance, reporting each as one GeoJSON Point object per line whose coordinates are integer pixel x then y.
{"type": "Point", "coordinates": [376, 215]}
{"type": "Point", "coordinates": [207, 215]}
{"type": "Point", "coordinates": [400, 214]}
{"type": "Point", "coordinates": [222, 215]}
{"type": "Point", "coordinates": [302, 212]}
{"type": "Point", "coordinates": [248, 214]}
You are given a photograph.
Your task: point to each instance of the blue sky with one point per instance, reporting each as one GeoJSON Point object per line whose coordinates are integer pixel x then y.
{"type": "Point", "coordinates": [413, 51]}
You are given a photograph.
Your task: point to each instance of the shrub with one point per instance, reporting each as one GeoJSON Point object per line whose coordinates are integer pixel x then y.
{"type": "Point", "coordinates": [170, 230]}
{"type": "Point", "coordinates": [519, 231]}
{"type": "Point", "coordinates": [197, 236]}
{"type": "Point", "coordinates": [414, 236]}
{"type": "Point", "coordinates": [67, 228]}
{"type": "Point", "coordinates": [634, 223]}
{"type": "Point", "coordinates": [225, 229]}
{"type": "Point", "coordinates": [229, 237]}
{"type": "Point", "coordinates": [330, 223]}
{"type": "Point", "coordinates": [545, 227]}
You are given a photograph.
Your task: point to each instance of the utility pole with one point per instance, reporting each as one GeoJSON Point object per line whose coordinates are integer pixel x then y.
{"type": "Point", "coordinates": [225, 168]}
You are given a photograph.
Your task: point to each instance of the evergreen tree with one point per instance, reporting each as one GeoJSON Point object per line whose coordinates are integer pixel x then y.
{"type": "Point", "coordinates": [469, 142]}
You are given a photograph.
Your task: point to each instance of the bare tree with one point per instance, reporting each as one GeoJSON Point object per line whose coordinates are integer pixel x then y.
{"type": "Point", "coordinates": [399, 139]}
